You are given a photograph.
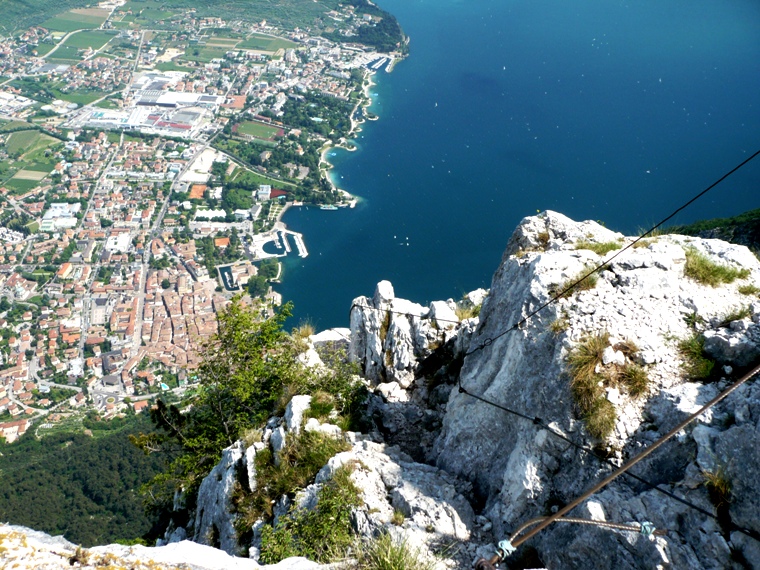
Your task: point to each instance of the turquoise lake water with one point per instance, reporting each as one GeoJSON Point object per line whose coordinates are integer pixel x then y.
{"type": "Point", "coordinates": [613, 111]}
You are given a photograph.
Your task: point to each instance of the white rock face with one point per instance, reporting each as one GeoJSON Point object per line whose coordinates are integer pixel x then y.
{"type": "Point", "coordinates": [337, 337]}
{"type": "Point", "coordinates": [443, 315]}
{"type": "Point", "coordinates": [294, 412]}
{"type": "Point", "coordinates": [213, 524]}
{"type": "Point", "coordinates": [643, 296]}
{"type": "Point", "coordinates": [25, 549]}
{"type": "Point", "coordinates": [390, 336]}
{"type": "Point", "coordinates": [433, 508]}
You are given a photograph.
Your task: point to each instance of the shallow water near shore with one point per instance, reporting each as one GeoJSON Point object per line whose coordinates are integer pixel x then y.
{"type": "Point", "coordinates": [618, 113]}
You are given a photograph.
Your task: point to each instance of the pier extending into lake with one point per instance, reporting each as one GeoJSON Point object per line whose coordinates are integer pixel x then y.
{"type": "Point", "coordinates": [278, 236]}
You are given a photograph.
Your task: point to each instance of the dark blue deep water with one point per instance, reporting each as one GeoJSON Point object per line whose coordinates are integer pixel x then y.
{"type": "Point", "coordinates": [601, 109]}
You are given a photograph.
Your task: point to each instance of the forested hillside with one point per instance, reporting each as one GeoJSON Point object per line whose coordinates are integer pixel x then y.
{"type": "Point", "coordinates": [83, 487]}
{"type": "Point", "coordinates": [743, 229]}
{"type": "Point", "coordinates": [20, 14]}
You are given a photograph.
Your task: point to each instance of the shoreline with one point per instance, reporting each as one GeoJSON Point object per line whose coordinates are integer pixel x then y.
{"type": "Point", "coordinates": [364, 102]}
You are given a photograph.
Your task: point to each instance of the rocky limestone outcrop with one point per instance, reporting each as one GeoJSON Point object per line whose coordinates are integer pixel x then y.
{"type": "Point", "coordinates": [643, 298]}
{"type": "Point", "coordinates": [389, 336]}
{"type": "Point", "coordinates": [213, 524]}
{"type": "Point", "coordinates": [430, 502]}
{"type": "Point", "coordinates": [25, 549]}
{"type": "Point", "coordinates": [410, 354]}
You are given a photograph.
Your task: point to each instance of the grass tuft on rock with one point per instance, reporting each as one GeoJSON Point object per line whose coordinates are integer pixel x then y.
{"type": "Point", "coordinates": [736, 314]}
{"type": "Point", "coordinates": [587, 385]}
{"type": "Point", "coordinates": [384, 326]}
{"type": "Point", "coordinates": [703, 270]}
{"type": "Point", "coordinates": [559, 325]}
{"type": "Point", "coordinates": [635, 379]}
{"type": "Point", "coordinates": [628, 348]}
{"type": "Point", "coordinates": [644, 243]}
{"type": "Point", "coordinates": [303, 331]}
{"type": "Point", "coordinates": [387, 553]}
{"type": "Point", "coordinates": [749, 290]}
{"type": "Point", "coordinates": [600, 418]}
{"type": "Point", "coordinates": [718, 486]}
{"type": "Point", "coordinates": [464, 312]}
{"type": "Point", "coordinates": [587, 355]}
{"type": "Point", "coordinates": [322, 404]}
{"type": "Point", "coordinates": [599, 248]}
{"type": "Point", "coordinates": [300, 461]}
{"type": "Point", "coordinates": [696, 364]}
{"type": "Point", "coordinates": [574, 285]}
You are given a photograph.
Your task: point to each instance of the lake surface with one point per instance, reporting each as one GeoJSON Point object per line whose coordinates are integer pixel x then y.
{"type": "Point", "coordinates": [612, 111]}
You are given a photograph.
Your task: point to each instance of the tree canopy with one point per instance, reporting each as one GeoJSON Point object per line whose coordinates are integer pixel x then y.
{"type": "Point", "coordinates": [250, 370]}
{"type": "Point", "coordinates": [79, 486]}
{"type": "Point", "coordinates": [249, 362]}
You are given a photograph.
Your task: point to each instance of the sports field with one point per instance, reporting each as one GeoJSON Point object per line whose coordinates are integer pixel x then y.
{"type": "Point", "coordinates": [29, 175]}
{"type": "Point", "coordinates": [258, 130]}
{"type": "Point", "coordinates": [228, 43]}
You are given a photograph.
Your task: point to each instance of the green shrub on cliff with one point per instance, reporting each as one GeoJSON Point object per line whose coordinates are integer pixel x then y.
{"type": "Point", "coordinates": [248, 373]}
{"type": "Point", "coordinates": [246, 365]}
{"type": "Point", "coordinates": [324, 533]}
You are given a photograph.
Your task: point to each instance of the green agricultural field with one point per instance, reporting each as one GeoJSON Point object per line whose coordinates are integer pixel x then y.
{"type": "Point", "coordinates": [12, 125]}
{"type": "Point", "coordinates": [78, 19]}
{"type": "Point", "coordinates": [43, 49]}
{"type": "Point", "coordinates": [95, 39]}
{"type": "Point", "coordinates": [66, 25]}
{"type": "Point", "coordinates": [40, 166]}
{"type": "Point", "coordinates": [257, 130]}
{"type": "Point", "coordinates": [82, 98]}
{"type": "Point", "coordinates": [153, 15]}
{"type": "Point", "coordinates": [42, 89]}
{"type": "Point", "coordinates": [22, 141]}
{"type": "Point", "coordinates": [172, 66]}
{"type": "Point", "coordinates": [20, 185]}
{"type": "Point", "coordinates": [284, 13]}
{"type": "Point", "coordinates": [107, 104]}
{"type": "Point", "coordinates": [65, 53]}
{"type": "Point", "coordinates": [204, 54]}
{"type": "Point", "coordinates": [137, 5]}
{"type": "Point", "coordinates": [262, 42]}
